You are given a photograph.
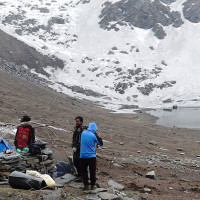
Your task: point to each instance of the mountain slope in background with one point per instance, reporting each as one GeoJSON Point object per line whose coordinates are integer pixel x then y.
{"type": "Point", "coordinates": [127, 52]}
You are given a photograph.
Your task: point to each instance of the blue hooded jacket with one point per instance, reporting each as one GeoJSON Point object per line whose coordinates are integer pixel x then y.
{"type": "Point", "coordinates": [88, 141]}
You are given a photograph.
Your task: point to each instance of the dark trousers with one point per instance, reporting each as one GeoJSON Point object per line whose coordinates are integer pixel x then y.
{"type": "Point", "coordinates": [77, 164]}
{"type": "Point", "coordinates": [91, 162]}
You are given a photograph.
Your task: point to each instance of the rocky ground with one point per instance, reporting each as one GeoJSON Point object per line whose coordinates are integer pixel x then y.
{"type": "Point", "coordinates": [133, 144]}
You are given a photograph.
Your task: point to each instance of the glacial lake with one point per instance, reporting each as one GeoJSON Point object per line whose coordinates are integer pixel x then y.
{"type": "Point", "coordinates": [180, 117]}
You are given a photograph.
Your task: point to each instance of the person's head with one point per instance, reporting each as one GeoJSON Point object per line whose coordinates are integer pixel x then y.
{"type": "Point", "coordinates": [79, 120]}
{"type": "Point", "coordinates": [25, 118]}
{"type": "Point", "coordinates": [92, 127]}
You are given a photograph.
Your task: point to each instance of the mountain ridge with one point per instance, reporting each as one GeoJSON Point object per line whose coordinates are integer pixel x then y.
{"type": "Point", "coordinates": [125, 62]}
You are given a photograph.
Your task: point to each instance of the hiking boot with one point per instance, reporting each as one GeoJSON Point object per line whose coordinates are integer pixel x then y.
{"type": "Point", "coordinates": [93, 187]}
{"type": "Point", "coordinates": [86, 187]}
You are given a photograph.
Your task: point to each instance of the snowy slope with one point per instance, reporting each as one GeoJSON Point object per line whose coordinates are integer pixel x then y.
{"type": "Point", "coordinates": [129, 66]}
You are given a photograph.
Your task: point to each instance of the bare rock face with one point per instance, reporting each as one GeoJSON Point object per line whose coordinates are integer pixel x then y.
{"type": "Point", "coordinates": [143, 14]}
{"type": "Point", "coordinates": [191, 10]}
{"type": "Point", "coordinates": [15, 51]}
{"type": "Point", "coordinates": [168, 1]}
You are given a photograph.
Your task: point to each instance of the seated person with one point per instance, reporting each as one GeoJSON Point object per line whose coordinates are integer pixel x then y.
{"type": "Point", "coordinates": [25, 134]}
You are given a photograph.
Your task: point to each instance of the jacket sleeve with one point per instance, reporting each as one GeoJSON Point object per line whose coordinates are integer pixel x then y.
{"type": "Point", "coordinates": [33, 135]}
{"type": "Point", "coordinates": [74, 139]}
{"type": "Point", "coordinates": [99, 140]}
{"type": "Point", "coordinates": [15, 142]}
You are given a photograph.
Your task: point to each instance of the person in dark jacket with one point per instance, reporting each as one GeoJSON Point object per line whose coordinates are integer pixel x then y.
{"type": "Point", "coordinates": [89, 139]}
{"type": "Point", "coordinates": [78, 129]}
{"type": "Point", "coordinates": [25, 134]}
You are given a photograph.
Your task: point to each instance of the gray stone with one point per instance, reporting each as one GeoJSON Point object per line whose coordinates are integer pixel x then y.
{"type": "Point", "coordinates": [4, 183]}
{"type": "Point", "coordinates": [121, 87]}
{"type": "Point", "coordinates": [47, 151]}
{"type": "Point", "coordinates": [191, 10]}
{"type": "Point", "coordinates": [114, 48]}
{"type": "Point", "coordinates": [151, 175]}
{"type": "Point", "coordinates": [147, 190]}
{"type": "Point", "coordinates": [76, 185]}
{"type": "Point", "coordinates": [33, 161]}
{"type": "Point", "coordinates": [179, 149]}
{"type": "Point", "coordinates": [97, 190]}
{"type": "Point", "coordinates": [167, 101]}
{"type": "Point", "coordinates": [56, 194]}
{"type": "Point", "coordinates": [108, 196]}
{"type": "Point", "coordinates": [163, 63]}
{"type": "Point", "coordinates": [111, 190]}
{"type": "Point", "coordinates": [56, 20]}
{"type": "Point", "coordinates": [47, 162]}
{"type": "Point", "coordinates": [11, 161]}
{"type": "Point", "coordinates": [115, 185]}
{"type": "Point", "coordinates": [118, 69]}
{"type": "Point", "coordinates": [143, 14]}
{"type": "Point", "coordinates": [168, 1]}
{"type": "Point", "coordinates": [153, 143]}
{"type": "Point", "coordinates": [92, 197]}
{"type": "Point", "coordinates": [44, 10]}
{"type": "Point", "coordinates": [117, 165]}
{"type": "Point", "coordinates": [61, 181]}
{"type": "Point", "coordinates": [111, 53]}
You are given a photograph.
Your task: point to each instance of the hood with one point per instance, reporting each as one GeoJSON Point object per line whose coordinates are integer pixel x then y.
{"type": "Point", "coordinates": [92, 127]}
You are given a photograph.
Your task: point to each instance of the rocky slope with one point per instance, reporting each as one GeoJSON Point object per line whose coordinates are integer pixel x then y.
{"type": "Point", "coordinates": [133, 145]}
{"type": "Point", "coordinates": [139, 52]}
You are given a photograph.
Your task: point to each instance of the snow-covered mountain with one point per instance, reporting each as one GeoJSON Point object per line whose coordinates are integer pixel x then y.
{"type": "Point", "coordinates": [116, 52]}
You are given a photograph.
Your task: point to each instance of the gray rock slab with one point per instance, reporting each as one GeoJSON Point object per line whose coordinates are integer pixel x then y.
{"type": "Point", "coordinates": [117, 165]}
{"type": "Point", "coordinates": [111, 190]}
{"type": "Point", "coordinates": [115, 185]}
{"type": "Point", "coordinates": [54, 194]}
{"type": "Point", "coordinates": [76, 185]}
{"type": "Point", "coordinates": [3, 182]}
{"type": "Point", "coordinates": [147, 190]}
{"type": "Point", "coordinates": [92, 197]}
{"type": "Point", "coordinates": [153, 143]}
{"type": "Point", "coordinates": [97, 190]}
{"type": "Point", "coordinates": [47, 151]}
{"type": "Point", "coordinates": [61, 181]}
{"type": "Point", "coordinates": [151, 175]}
{"type": "Point", "coordinates": [16, 156]}
{"type": "Point", "coordinates": [108, 196]}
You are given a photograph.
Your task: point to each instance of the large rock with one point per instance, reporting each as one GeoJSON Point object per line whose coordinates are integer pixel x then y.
{"type": "Point", "coordinates": [151, 175]}
{"type": "Point", "coordinates": [108, 196]}
{"type": "Point", "coordinates": [191, 10]}
{"type": "Point", "coordinates": [115, 185]}
{"type": "Point", "coordinates": [145, 14]}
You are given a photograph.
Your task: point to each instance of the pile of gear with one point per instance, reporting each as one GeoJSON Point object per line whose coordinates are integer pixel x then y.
{"type": "Point", "coordinates": [34, 158]}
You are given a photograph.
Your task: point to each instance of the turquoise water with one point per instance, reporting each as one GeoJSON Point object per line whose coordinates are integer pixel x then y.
{"type": "Point", "coordinates": [182, 117]}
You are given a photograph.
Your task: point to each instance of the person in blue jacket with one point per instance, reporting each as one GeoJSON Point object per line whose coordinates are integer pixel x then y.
{"type": "Point", "coordinates": [88, 154]}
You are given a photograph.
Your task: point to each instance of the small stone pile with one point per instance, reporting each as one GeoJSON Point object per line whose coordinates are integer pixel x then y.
{"type": "Point", "coordinates": [42, 163]}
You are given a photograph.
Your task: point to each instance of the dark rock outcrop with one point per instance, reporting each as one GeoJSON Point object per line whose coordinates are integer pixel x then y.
{"type": "Point", "coordinates": [143, 14]}
{"type": "Point", "coordinates": [15, 51]}
{"type": "Point", "coordinates": [191, 10]}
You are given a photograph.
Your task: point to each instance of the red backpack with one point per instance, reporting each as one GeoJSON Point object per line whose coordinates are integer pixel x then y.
{"type": "Point", "coordinates": [23, 137]}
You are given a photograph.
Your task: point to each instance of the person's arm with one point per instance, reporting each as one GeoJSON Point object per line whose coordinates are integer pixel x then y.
{"type": "Point", "coordinates": [99, 139]}
{"type": "Point", "coordinates": [73, 140]}
{"type": "Point", "coordinates": [31, 138]}
{"type": "Point", "coordinates": [33, 135]}
{"type": "Point", "coordinates": [15, 142]}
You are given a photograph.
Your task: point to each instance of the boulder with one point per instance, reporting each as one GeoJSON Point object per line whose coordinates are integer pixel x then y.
{"type": "Point", "coordinates": [151, 175]}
